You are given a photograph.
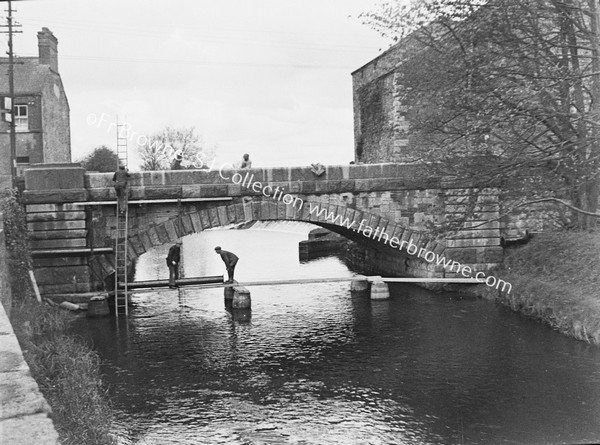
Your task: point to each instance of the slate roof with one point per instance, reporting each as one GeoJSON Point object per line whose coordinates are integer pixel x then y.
{"type": "Point", "coordinates": [29, 75]}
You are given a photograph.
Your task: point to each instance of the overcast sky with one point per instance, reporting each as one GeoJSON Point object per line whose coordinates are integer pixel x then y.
{"type": "Point", "coordinates": [268, 77]}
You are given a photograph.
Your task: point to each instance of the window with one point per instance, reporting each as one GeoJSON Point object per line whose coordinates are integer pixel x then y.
{"type": "Point", "coordinates": [21, 118]}
{"type": "Point", "coordinates": [22, 159]}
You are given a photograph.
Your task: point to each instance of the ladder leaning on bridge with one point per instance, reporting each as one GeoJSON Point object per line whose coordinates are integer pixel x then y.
{"type": "Point", "coordinates": [121, 275]}
{"type": "Point", "coordinates": [121, 291]}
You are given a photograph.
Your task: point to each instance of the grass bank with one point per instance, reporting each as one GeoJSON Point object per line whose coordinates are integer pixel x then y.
{"type": "Point", "coordinates": [555, 278]}
{"type": "Point", "coordinates": [67, 372]}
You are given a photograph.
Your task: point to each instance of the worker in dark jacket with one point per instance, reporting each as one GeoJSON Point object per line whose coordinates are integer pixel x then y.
{"type": "Point", "coordinates": [176, 164]}
{"type": "Point", "coordinates": [121, 180]}
{"type": "Point", "coordinates": [246, 162]}
{"type": "Point", "coordinates": [173, 259]}
{"type": "Point", "coordinates": [230, 260]}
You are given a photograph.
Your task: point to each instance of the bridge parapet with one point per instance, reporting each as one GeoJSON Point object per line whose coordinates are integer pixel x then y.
{"type": "Point", "coordinates": [251, 182]}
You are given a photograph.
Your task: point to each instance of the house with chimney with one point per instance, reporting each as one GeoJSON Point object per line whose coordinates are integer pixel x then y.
{"type": "Point", "coordinates": [40, 110]}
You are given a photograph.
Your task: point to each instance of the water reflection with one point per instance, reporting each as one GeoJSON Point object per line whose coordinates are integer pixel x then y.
{"type": "Point", "coordinates": [318, 364]}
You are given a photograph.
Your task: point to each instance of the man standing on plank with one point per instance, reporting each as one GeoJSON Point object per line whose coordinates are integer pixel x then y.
{"type": "Point", "coordinates": [230, 260]}
{"type": "Point", "coordinates": [173, 259]}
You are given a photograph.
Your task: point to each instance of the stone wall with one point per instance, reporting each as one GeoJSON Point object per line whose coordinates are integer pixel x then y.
{"type": "Point", "coordinates": [57, 128]}
{"type": "Point", "coordinates": [380, 124]}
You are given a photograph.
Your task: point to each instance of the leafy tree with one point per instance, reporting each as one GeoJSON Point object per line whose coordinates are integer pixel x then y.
{"type": "Point", "coordinates": [102, 159]}
{"type": "Point", "coordinates": [504, 90]}
{"type": "Point", "coordinates": [162, 148]}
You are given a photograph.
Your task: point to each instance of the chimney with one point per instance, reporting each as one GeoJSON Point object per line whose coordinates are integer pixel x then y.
{"type": "Point", "coordinates": [47, 46]}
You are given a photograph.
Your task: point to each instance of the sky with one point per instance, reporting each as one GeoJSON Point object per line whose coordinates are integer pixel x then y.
{"type": "Point", "coordinates": [271, 78]}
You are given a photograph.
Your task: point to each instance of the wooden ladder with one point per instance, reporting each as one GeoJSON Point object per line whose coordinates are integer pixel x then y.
{"type": "Point", "coordinates": [121, 291]}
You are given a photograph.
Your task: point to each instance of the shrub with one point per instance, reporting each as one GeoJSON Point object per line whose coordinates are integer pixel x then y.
{"type": "Point", "coordinates": [17, 245]}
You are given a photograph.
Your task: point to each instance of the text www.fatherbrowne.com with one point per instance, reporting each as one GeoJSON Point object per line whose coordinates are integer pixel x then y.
{"type": "Point", "coordinates": [278, 193]}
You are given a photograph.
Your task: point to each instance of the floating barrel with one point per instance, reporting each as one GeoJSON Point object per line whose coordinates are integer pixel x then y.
{"type": "Point", "coordinates": [98, 307]}
{"type": "Point", "coordinates": [241, 298]}
{"type": "Point", "coordinates": [379, 290]}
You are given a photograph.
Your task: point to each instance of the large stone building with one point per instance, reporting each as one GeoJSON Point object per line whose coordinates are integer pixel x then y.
{"type": "Point", "coordinates": [381, 132]}
{"type": "Point", "coordinates": [380, 127]}
{"type": "Point", "coordinates": [41, 110]}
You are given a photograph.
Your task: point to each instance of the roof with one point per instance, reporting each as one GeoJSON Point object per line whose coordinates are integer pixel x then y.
{"type": "Point", "coordinates": [29, 75]}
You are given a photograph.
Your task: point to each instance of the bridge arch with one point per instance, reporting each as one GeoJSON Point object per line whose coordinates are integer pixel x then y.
{"type": "Point", "coordinates": [338, 218]}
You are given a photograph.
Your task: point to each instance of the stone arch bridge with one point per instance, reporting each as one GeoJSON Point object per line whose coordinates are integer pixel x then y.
{"type": "Point", "coordinates": [71, 215]}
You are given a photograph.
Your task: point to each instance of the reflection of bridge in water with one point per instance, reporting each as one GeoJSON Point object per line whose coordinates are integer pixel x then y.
{"type": "Point", "coordinates": [72, 221]}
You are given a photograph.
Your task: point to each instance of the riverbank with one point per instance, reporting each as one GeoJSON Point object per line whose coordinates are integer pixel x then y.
{"type": "Point", "coordinates": [66, 370]}
{"type": "Point", "coordinates": [555, 278]}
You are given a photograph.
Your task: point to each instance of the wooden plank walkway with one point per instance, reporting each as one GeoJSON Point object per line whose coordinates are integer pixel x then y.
{"type": "Point", "coordinates": [311, 281]}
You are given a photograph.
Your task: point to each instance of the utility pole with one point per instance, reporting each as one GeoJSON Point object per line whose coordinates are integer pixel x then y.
{"type": "Point", "coordinates": [11, 89]}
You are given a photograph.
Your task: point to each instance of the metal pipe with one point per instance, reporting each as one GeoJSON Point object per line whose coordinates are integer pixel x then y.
{"type": "Point", "coordinates": [181, 282]}
{"type": "Point", "coordinates": [75, 251]}
{"type": "Point", "coordinates": [151, 201]}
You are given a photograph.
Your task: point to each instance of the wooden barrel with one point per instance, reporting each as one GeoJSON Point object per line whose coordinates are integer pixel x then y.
{"type": "Point", "coordinates": [98, 307]}
{"type": "Point", "coordinates": [228, 293]}
{"type": "Point", "coordinates": [359, 286]}
{"type": "Point", "coordinates": [379, 290]}
{"type": "Point", "coordinates": [241, 298]}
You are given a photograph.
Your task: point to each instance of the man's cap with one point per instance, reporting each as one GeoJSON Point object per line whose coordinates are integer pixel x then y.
{"type": "Point", "coordinates": [218, 248]}
{"type": "Point", "coordinates": [121, 166]}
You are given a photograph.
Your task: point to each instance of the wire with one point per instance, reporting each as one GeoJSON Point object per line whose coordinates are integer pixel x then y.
{"type": "Point", "coordinates": [203, 63]}
{"type": "Point", "coordinates": [103, 28]}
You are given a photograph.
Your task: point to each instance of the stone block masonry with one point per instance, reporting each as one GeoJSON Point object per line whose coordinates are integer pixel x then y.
{"type": "Point", "coordinates": [59, 227]}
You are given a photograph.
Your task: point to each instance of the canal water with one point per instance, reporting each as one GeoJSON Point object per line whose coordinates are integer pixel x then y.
{"type": "Point", "coordinates": [317, 364]}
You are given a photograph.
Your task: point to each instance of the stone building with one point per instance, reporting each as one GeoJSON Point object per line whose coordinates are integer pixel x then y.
{"type": "Point", "coordinates": [380, 127]}
{"type": "Point", "coordinates": [41, 110]}
{"type": "Point", "coordinates": [381, 133]}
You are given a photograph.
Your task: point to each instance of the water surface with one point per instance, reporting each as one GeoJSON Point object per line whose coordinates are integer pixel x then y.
{"type": "Point", "coordinates": [317, 364]}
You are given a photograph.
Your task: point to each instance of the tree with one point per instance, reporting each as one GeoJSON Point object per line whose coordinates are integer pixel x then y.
{"type": "Point", "coordinates": [102, 159]}
{"type": "Point", "coordinates": [504, 90]}
{"type": "Point", "coordinates": [162, 147]}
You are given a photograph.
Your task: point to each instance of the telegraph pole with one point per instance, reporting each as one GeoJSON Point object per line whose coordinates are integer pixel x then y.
{"type": "Point", "coordinates": [11, 92]}
{"type": "Point", "coordinates": [11, 89]}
